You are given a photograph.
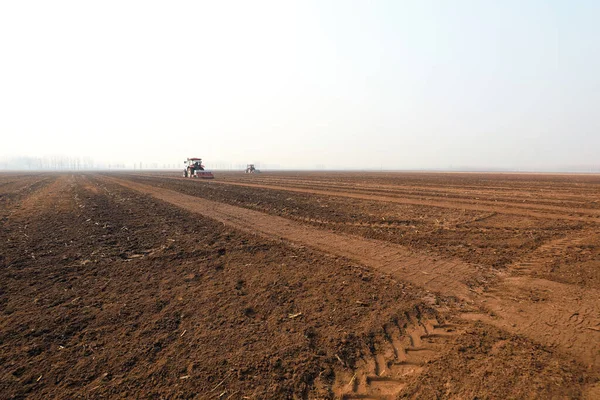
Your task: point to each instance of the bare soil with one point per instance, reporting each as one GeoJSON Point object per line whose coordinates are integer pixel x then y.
{"type": "Point", "coordinates": [494, 237]}
{"type": "Point", "coordinates": [137, 286]}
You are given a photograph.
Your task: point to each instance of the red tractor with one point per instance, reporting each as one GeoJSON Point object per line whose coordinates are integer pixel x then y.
{"type": "Point", "coordinates": [195, 169]}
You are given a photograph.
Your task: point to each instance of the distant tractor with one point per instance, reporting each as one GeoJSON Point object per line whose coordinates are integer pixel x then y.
{"type": "Point", "coordinates": [195, 169]}
{"type": "Point", "coordinates": [251, 170]}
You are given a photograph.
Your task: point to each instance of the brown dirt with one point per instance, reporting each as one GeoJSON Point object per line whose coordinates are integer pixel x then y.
{"type": "Point", "coordinates": [547, 320]}
{"type": "Point", "coordinates": [491, 238]}
{"type": "Point", "coordinates": [107, 292]}
{"type": "Point", "coordinates": [488, 361]}
{"type": "Point", "coordinates": [16, 187]}
{"type": "Point", "coordinates": [573, 259]}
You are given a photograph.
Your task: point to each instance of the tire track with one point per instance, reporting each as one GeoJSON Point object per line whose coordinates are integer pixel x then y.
{"type": "Point", "coordinates": [546, 252]}
{"type": "Point", "coordinates": [401, 354]}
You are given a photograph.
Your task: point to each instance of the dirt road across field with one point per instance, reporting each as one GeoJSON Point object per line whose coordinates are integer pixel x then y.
{"type": "Point", "coordinates": [552, 313]}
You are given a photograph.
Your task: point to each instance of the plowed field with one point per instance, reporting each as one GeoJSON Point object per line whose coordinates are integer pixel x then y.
{"type": "Point", "coordinates": [300, 286]}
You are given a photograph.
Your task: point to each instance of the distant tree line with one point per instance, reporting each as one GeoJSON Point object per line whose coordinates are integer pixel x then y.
{"type": "Point", "coordinates": [54, 163]}
{"type": "Point", "coordinates": [66, 163]}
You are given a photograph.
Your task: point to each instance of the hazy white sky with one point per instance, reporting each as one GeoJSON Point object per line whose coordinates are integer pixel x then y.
{"type": "Point", "coordinates": [391, 84]}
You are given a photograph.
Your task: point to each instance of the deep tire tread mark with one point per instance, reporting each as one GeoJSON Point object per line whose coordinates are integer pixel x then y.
{"type": "Point", "coordinates": [401, 353]}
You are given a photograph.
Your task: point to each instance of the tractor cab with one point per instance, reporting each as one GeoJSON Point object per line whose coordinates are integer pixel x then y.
{"type": "Point", "coordinates": [195, 163]}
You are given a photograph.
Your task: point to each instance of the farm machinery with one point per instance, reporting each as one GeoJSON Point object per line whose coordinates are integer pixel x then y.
{"type": "Point", "coordinates": [195, 169]}
{"type": "Point", "coordinates": [251, 170]}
